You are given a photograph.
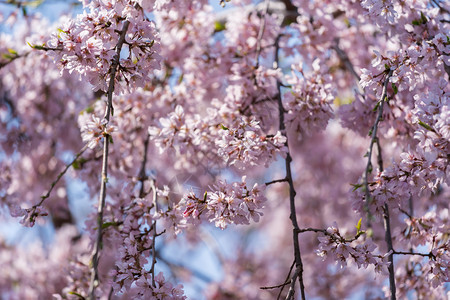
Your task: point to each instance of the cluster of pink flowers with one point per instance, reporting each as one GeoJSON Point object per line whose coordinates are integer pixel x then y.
{"type": "Point", "coordinates": [93, 130]}
{"type": "Point", "coordinates": [246, 145]}
{"type": "Point", "coordinates": [342, 250]}
{"type": "Point", "coordinates": [225, 204]}
{"type": "Point", "coordinates": [200, 96]}
{"type": "Point", "coordinates": [88, 45]}
{"type": "Point", "coordinates": [309, 102]}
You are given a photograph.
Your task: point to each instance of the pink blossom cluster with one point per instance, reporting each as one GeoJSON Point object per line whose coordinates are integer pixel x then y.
{"type": "Point", "coordinates": [244, 144]}
{"type": "Point", "coordinates": [131, 274]}
{"type": "Point", "coordinates": [342, 250]}
{"type": "Point", "coordinates": [430, 230]}
{"type": "Point", "coordinates": [200, 95]}
{"type": "Point", "coordinates": [163, 289]}
{"type": "Point", "coordinates": [309, 103]}
{"type": "Point", "coordinates": [89, 43]}
{"type": "Point", "coordinates": [93, 130]}
{"type": "Point", "coordinates": [225, 204]}
{"type": "Point", "coordinates": [382, 11]}
{"type": "Point", "coordinates": [28, 215]}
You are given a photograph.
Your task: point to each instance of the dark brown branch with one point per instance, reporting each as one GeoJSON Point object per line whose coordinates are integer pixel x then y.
{"type": "Point", "coordinates": [374, 131]}
{"type": "Point", "coordinates": [291, 291]}
{"type": "Point", "coordinates": [101, 200]}
{"type": "Point", "coordinates": [430, 255]}
{"type": "Point", "coordinates": [388, 238]}
{"type": "Point", "coordinates": [286, 280]}
{"type": "Point", "coordinates": [386, 218]}
{"type": "Point", "coordinates": [275, 286]}
{"type": "Point", "coordinates": [276, 181]}
{"type": "Point", "coordinates": [60, 175]}
{"type": "Point", "coordinates": [152, 269]}
{"type": "Point", "coordinates": [142, 172]}
{"type": "Point", "coordinates": [293, 215]}
{"type": "Point", "coordinates": [344, 58]}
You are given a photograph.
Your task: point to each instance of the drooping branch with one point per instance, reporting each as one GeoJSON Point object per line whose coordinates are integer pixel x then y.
{"type": "Point", "coordinates": [387, 229]}
{"type": "Point", "coordinates": [276, 181]}
{"type": "Point", "coordinates": [293, 215]}
{"type": "Point", "coordinates": [152, 269]}
{"type": "Point", "coordinates": [60, 175]}
{"type": "Point", "coordinates": [344, 58]}
{"type": "Point", "coordinates": [374, 140]}
{"type": "Point", "coordinates": [101, 201]}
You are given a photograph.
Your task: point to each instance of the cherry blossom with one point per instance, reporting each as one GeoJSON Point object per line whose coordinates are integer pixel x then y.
{"type": "Point", "coordinates": [223, 141]}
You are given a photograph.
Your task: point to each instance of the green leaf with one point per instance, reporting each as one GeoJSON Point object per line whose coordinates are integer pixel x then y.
{"type": "Point", "coordinates": [387, 67]}
{"type": "Point", "coordinates": [76, 165]}
{"type": "Point", "coordinates": [110, 139]}
{"type": "Point", "coordinates": [376, 106]}
{"type": "Point", "coordinates": [76, 294]}
{"type": "Point", "coordinates": [12, 51]}
{"type": "Point", "coordinates": [38, 47]}
{"type": "Point", "coordinates": [356, 186]}
{"type": "Point", "coordinates": [60, 30]}
{"type": "Point", "coordinates": [423, 19]}
{"type": "Point", "coordinates": [426, 126]}
{"type": "Point", "coordinates": [7, 56]}
{"type": "Point", "coordinates": [358, 226]}
{"type": "Point", "coordinates": [223, 127]}
{"type": "Point", "coordinates": [415, 22]}
{"type": "Point", "coordinates": [394, 87]}
{"type": "Point", "coordinates": [218, 26]}
{"type": "Point", "coordinates": [204, 196]}
{"type": "Point", "coordinates": [108, 224]}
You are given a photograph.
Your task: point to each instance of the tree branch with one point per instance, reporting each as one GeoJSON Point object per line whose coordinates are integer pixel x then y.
{"type": "Point", "coordinates": [293, 216]}
{"type": "Point", "coordinates": [276, 181]}
{"type": "Point", "coordinates": [386, 218]}
{"type": "Point", "coordinates": [101, 200]}
{"type": "Point", "coordinates": [60, 175]}
{"type": "Point", "coordinates": [152, 269]}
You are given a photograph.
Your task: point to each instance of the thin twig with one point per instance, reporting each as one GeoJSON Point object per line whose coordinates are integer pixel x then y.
{"type": "Point", "coordinates": [293, 215]}
{"type": "Point", "coordinates": [387, 227]}
{"type": "Point", "coordinates": [287, 277]}
{"type": "Point", "coordinates": [386, 218]}
{"type": "Point", "coordinates": [142, 172]}
{"type": "Point", "coordinates": [275, 286]}
{"type": "Point", "coordinates": [388, 238]}
{"type": "Point", "coordinates": [152, 269]}
{"type": "Point", "coordinates": [291, 291]}
{"type": "Point", "coordinates": [344, 58]}
{"type": "Point", "coordinates": [101, 200]}
{"type": "Point", "coordinates": [442, 9]}
{"type": "Point", "coordinates": [10, 60]}
{"type": "Point", "coordinates": [430, 255]}
{"type": "Point", "coordinates": [60, 175]}
{"type": "Point", "coordinates": [374, 131]}
{"type": "Point", "coordinates": [115, 63]}
{"type": "Point", "coordinates": [276, 181]}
